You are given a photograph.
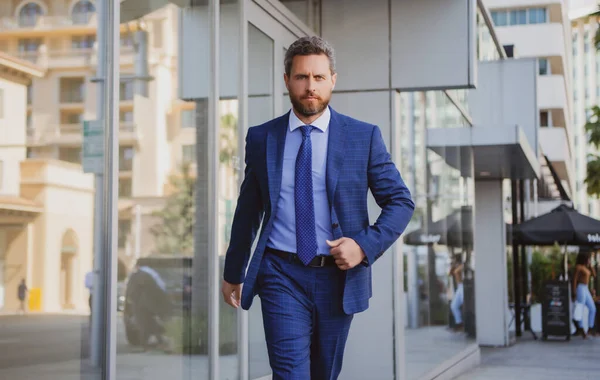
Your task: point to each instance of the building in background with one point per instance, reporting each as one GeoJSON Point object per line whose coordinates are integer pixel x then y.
{"type": "Point", "coordinates": [586, 91]}
{"type": "Point", "coordinates": [541, 30]}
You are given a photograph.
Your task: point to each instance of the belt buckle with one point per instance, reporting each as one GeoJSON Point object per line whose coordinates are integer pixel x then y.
{"type": "Point", "coordinates": [322, 261]}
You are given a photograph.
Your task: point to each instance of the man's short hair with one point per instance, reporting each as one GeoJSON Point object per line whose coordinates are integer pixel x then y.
{"type": "Point", "coordinates": [309, 46]}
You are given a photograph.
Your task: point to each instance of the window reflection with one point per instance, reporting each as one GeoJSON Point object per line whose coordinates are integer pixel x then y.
{"type": "Point", "coordinates": [438, 242]}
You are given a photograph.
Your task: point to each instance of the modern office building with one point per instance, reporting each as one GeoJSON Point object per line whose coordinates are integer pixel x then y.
{"type": "Point", "coordinates": [460, 118]}
{"type": "Point", "coordinates": [586, 91]}
{"type": "Point", "coordinates": [541, 29]}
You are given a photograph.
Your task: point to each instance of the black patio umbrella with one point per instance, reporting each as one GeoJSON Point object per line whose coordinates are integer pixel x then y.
{"type": "Point", "coordinates": [563, 225]}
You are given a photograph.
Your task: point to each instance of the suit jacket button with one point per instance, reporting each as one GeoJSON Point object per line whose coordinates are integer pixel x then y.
{"type": "Point", "coordinates": [335, 225]}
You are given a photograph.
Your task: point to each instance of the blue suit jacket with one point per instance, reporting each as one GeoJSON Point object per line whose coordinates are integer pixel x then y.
{"type": "Point", "coordinates": [357, 160]}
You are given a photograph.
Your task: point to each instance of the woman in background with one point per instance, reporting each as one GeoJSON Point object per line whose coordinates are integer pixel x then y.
{"type": "Point", "coordinates": [581, 280]}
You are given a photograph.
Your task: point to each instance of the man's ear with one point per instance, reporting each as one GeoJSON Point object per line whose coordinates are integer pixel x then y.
{"type": "Point", "coordinates": [285, 80]}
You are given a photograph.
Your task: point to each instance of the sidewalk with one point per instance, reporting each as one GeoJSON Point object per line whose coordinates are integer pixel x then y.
{"type": "Point", "coordinates": [4, 313]}
{"type": "Point", "coordinates": [540, 360]}
{"type": "Point", "coordinates": [143, 366]}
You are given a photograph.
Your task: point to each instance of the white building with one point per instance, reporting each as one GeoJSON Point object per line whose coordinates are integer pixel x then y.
{"type": "Point", "coordinates": [540, 29]}
{"type": "Point", "coordinates": [586, 91]}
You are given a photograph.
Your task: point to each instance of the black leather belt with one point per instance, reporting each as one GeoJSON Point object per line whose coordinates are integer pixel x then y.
{"type": "Point", "coordinates": [317, 262]}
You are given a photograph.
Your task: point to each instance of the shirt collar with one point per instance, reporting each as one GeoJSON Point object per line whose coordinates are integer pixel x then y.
{"type": "Point", "coordinates": [321, 123]}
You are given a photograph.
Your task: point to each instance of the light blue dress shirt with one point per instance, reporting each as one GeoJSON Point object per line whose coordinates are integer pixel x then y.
{"type": "Point", "coordinates": [283, 236]}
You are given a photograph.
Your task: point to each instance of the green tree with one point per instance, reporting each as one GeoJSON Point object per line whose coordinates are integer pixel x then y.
{"type": "Point", "coordinates": [592, 128]}
{"type": "Point", "coordinates": [228, 137]}
{"type": "Point", "coordinates": [174, 233]}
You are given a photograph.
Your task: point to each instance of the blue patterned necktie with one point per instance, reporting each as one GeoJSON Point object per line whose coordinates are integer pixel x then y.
{"type": "Point", "coordinates": [306, 233]}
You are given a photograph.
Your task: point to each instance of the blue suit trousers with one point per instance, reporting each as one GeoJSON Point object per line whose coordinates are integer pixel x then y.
{"type": "Point", "coordinates": [305, 326]}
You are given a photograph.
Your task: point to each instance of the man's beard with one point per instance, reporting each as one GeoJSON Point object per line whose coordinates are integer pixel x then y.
{"type": "Point", "coordinates": [309, 110]}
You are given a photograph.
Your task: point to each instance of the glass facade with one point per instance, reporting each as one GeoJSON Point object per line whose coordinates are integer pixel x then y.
{"type": "Point", "coordinates": [188, 93]}
{"type": "Point", "coordinates": [439, 238]}
{"type": "Point", "coordinates": [486, 47]}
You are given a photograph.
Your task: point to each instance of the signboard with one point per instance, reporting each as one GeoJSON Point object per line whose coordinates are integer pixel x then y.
{"type": "Point", "coordinates": [93, 146]}
{"type": "Point", "coordinates": [469, 303]}
{"type": "Point", "coordinates": [556, 309]}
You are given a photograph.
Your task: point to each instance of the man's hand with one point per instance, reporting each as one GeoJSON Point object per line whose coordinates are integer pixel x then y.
{"type": "Point", "coordinates": [232, 293]}
{"type": "Point", "coordinates": [347, 253]}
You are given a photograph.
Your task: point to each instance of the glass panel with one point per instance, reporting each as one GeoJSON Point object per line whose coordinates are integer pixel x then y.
{"type": "Point", "coordinates": [29, 14]}
{"type": "Point", "coordinates": [29, 44]}
{"type": "Point", "coordinates": [162, 327]}
{"type": "Point", "coordinates": [518, 17]}
{"type": "Point", "coordinates": [500, 18]}
{"type": "Point", "coordinates": [44, 254]}
{"type": "Point", "coordinates": [486, 48]}
{"type": "Point", "coordinates": [72, 90]}
{"type": "Point", "coordinates": [229, 169]}
{"type": "Point", "coordinates": [126, 154]}
{"type": "Point", "coordinates": [82, 12]}
{"type": "Point", "coordinates": [188, 153]}
{"type": "Point", "coordinates": [308, 11]}
{"type": "Point", "coordinates": [83, 42]}
{"type": "Point", "coordinates": [188, 118]}
{"type": "Point", "coordinates": [261, 50]}
{"type": "Point", "coordinates": [537, 15]}
{"type": "Point", "coordinates": [126, 90]}
{"type": "Point", "coordinates": [543, 66]}
{"type": "Point", "coordinates": [438, 242]}
{"type": "Point", "coordinates": [544, 118]}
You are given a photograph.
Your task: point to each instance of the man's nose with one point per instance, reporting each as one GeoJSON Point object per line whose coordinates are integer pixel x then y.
{"type": "Point", "coordinates": [311, 85]}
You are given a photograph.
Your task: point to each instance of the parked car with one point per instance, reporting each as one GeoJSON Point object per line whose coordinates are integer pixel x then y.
{"type": "Point", "coordinates": [157, 289]}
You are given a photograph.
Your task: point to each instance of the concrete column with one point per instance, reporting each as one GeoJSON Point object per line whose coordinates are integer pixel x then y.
{"type": "Point", "coordinates": [491, 291]}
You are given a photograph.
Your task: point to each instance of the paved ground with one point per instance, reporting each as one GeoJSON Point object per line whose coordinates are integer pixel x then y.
{"type": "Point", "coordinates": [55, 347]}
{"type": "Point", "coordinates": [428, 347]}
{"type": "Point", "coordinates": [38, 339]}
{"type": "Point", "coordinates": [577, 359]}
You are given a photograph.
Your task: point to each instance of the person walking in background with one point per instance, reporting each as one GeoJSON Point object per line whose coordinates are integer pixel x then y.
{"type": "Point", "coordinates": [307, 177]}
{"type": "Point", "coordinates": [581, 281]}
{"type": "Point", "coordinates": [22, 295]}
{"type": "Point", "coordinates": [89, 284]}
{"type": "Point", "coordinates": [456, 270]}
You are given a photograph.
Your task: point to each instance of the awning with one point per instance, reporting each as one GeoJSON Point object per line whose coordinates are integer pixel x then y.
{"type": "Point", "coordinates": [491, 152]}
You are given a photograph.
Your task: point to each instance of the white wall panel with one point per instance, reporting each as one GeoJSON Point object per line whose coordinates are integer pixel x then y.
{"type": "Point", "coordinates": [507, 95]}
{"type": "Point", "coordinates": [433, 44]}
{"type": "Point", "coordinates": [359, 33]}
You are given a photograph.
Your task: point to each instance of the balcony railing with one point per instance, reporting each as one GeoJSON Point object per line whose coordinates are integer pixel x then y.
{"type": "Point", "coordinates": [68, 133]}
{"type": "Point", "coordinates": [46, 22]}
{"type": "Point", "coordinates": [69, 57]}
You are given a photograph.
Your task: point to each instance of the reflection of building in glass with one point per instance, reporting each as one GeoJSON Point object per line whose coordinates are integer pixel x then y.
{"type": "Point", "coordinates": [45, 209]}
{"type": "Point", "coordinates": [155, 126]}
{"type": "Point", "coordinates": [586, 93]}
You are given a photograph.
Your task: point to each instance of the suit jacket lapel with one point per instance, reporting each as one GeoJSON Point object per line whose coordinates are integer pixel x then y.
{"type": "Point", "coordinates": [335, 153]}
{"type": "Point", "coordinates": [275, 147]}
